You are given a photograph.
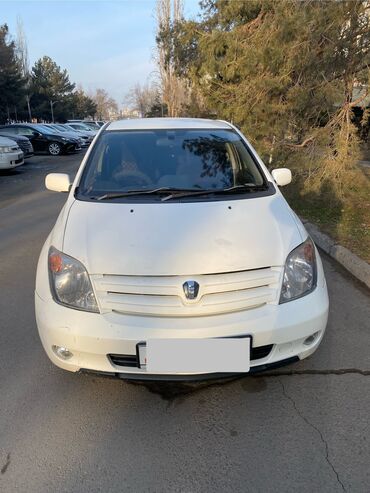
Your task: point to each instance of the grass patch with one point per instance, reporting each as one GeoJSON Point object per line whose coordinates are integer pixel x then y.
{"type": "Point", "coordinates": [346, 219]}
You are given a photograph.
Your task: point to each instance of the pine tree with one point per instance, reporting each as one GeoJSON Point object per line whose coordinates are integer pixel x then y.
{"type": "Point", "coordinates": [283, 71]}
{"type": "Point", "coordinates": [52, 89]}
{"type": "Point", "coordinates": [11, 80]}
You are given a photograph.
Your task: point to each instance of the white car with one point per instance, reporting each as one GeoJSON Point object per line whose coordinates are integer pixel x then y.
{"type": "Point", "coordinates": [11, 155]}
{"type": "Point", "coordinates": [176, 256]}
{"type": "Point", "coordinates": [81, 127]}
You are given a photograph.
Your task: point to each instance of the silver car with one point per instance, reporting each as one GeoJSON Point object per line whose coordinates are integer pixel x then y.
{"type": "Point", "coordinates": [11, 155]}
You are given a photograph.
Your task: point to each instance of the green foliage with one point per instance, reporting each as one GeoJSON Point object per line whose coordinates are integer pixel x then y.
{"type": "Point", "coordinates": [82, 106]}
{"type": "Point", "coordinates": [48, 84]}
{"type": "Point", "coordinates": [11, 80]}
{"type": "Point", "coordinates": [284, 72]}
{"type": "Point", "coordinates": [50, 80]}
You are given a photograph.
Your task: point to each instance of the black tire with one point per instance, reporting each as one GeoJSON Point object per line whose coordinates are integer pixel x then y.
{"type": "Point", "coordinates": [55, 149]}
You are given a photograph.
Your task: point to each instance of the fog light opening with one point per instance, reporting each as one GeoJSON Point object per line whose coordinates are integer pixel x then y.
{"type": "Point", "coordinates": [311, 339]}
{"type": "Point", "coordinates": [62, 352]}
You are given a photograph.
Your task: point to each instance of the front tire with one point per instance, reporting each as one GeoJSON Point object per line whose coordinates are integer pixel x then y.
{"type": "Point", "coordinates": [55, 148]}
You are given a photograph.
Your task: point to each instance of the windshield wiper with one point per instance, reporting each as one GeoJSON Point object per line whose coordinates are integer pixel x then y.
{"type": "Point", "coordinates": [247, 187]}
{"type": "Point", "coordinates": [179, 192]}
{"type": "Point", "coordinates": [129, 193]}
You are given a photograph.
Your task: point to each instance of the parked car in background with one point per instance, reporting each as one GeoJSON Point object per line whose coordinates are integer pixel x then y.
{"type": "Point", "coordinates": [66, 133]}
{"type": "Point", "coordinates": [43, 139]}
{"type": "Point", "coordinates": [94, 124]}
{"type": "Point", "coordinates": [11, 154]}
{"type": "Point", "coordinates": [22, 142]}
{"type": "Point", "coordinates": [85, 136]}
{"type": "Point", "coordinates": [82, 127]}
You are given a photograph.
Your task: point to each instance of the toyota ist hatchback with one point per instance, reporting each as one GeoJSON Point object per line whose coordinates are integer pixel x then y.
{"type": "Point", "coordinates": [176, 256]}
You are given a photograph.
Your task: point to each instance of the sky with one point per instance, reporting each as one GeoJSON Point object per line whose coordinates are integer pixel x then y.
{"type": "Point", "coordinates": [102, 43]}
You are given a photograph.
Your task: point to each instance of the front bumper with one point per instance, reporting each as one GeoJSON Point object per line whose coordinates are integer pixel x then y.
{"type": "Point", "coordinates": [10, 160]}
{"type": "Point", "coordinates": [92, 337]}
{"type": "Point", "coordinates": [71, 147]}
{"type": "Point", "coordinates": [145, 377]}
{"type": "Point", "coordinates": [27, 150]}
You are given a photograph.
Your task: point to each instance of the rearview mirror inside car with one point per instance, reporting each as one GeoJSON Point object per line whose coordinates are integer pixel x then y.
{"type": "Point", "coordinates": [58, 182]}
{"type": "Point", "coordinates": [282, 176]}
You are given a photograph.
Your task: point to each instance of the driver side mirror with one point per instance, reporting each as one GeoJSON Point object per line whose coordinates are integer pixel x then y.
{"type": "Point", "coordinates": [58, 182]}
{"type": "Point", "coordinates": [282, 176]}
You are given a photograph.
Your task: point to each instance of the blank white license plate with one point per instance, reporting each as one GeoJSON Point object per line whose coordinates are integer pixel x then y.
{"type": "Point", "coordinates": [223, 355]}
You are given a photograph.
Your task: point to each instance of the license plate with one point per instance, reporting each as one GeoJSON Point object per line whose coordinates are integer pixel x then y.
{"type": "Point", "coordinates": [220, 355]}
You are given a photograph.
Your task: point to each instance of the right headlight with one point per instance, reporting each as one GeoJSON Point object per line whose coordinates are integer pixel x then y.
{"type": "Point", "coordinates": [300, 272]}
{"type": "Point", "coordinates": [70, 283]}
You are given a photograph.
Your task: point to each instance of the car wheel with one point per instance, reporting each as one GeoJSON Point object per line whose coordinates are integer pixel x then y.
{"type": "Point", "coordinates": [55, 149]}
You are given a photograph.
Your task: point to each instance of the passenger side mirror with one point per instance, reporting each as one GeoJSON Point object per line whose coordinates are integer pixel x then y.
{"type": "Point", "coordinates": [58, 182]}
{"type": "Point", "coordinates": [282, 176]}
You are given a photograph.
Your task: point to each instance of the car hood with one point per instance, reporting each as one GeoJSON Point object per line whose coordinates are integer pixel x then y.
{"type": "Point", "coordinates": [8, 141]}
{"type": "Point", "coordinates": [15, 138]}
{"type": "Point", "coordinates": [181, 238]}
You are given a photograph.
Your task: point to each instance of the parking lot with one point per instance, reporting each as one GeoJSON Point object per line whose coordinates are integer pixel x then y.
{"type": "Point", "coordinates": [301, 428]}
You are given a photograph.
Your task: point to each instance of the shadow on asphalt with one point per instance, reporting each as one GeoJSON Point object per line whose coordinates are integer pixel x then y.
{"type": "Point", "coordinates": [10, 172]}
{"type": "Point", "coordinates": [170, 391]}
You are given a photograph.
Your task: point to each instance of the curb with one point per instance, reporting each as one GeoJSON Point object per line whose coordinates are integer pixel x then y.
{"type": "Point", "coordinates": [350, 261]}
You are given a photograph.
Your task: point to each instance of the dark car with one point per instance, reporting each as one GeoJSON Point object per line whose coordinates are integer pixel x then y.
{"type": "Point", "coordinates": [22, 142]}
{"type": "Point", "coordinates": [43, 139]}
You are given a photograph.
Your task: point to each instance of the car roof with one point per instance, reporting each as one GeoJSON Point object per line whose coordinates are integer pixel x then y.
{"type": "Point", "coordinates": [166, 123]}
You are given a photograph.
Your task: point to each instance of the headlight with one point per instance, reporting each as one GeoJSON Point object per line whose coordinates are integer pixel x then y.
{"type": "Point", "coordinates": [70, 283]}
{"type": "Point", "coordinates": [64, 139]}
{"type": "Point", "coordinates": [5, 149]}
{"type": "Point", "coordinates": [300, 272]}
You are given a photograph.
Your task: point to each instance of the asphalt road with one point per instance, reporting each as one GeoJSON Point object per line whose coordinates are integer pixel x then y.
{"type": "Point", "coordinates": [303, 428]}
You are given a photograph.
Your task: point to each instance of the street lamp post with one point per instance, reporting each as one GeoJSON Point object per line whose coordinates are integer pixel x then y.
{"type": "Point", "coordinates": [29, 107]}
{"type": "Point", "coordinates": [51, 108]}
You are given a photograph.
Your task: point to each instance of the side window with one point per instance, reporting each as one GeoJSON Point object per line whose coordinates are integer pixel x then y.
{"type": "Point", "coordinates": [25, 131]}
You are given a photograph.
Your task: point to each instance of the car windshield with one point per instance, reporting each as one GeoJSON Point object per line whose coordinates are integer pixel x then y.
{"type": "Point", "coordinates": [90, 125]}
{"type": "Point", "coordinates": [44, 129]}
{"type": "Point", "coordinates": [191, 160]}
{"type": "Point", "coordinates": [80, 126]}
{"type": "Point", "coordinates": [70, 129]}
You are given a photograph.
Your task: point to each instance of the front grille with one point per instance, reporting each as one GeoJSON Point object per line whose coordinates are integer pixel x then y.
{"type": "Point", "coordinates": [131, 361]}
{"type": "Point", "coordinates": [164, 296]}
{"type": "Point", "coordinates": [124, 360]}
{"type": "Point", "coordinates": [261, 352]}
{"type": "Point", "coordinates": [26, 147]}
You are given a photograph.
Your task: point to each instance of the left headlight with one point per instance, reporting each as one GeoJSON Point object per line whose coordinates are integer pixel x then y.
{"type": "Point", "coordinates": [70, 283]}
{"type": "Point", "coordinates": [7, 149]}
{"type": "Point", "coordinates": [300, 272]}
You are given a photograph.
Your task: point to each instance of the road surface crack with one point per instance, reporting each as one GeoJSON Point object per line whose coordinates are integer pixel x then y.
{"type": "Point", "coordinates": [308, 422]}
{"type": "Point", "coordinates": [6, 465]}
